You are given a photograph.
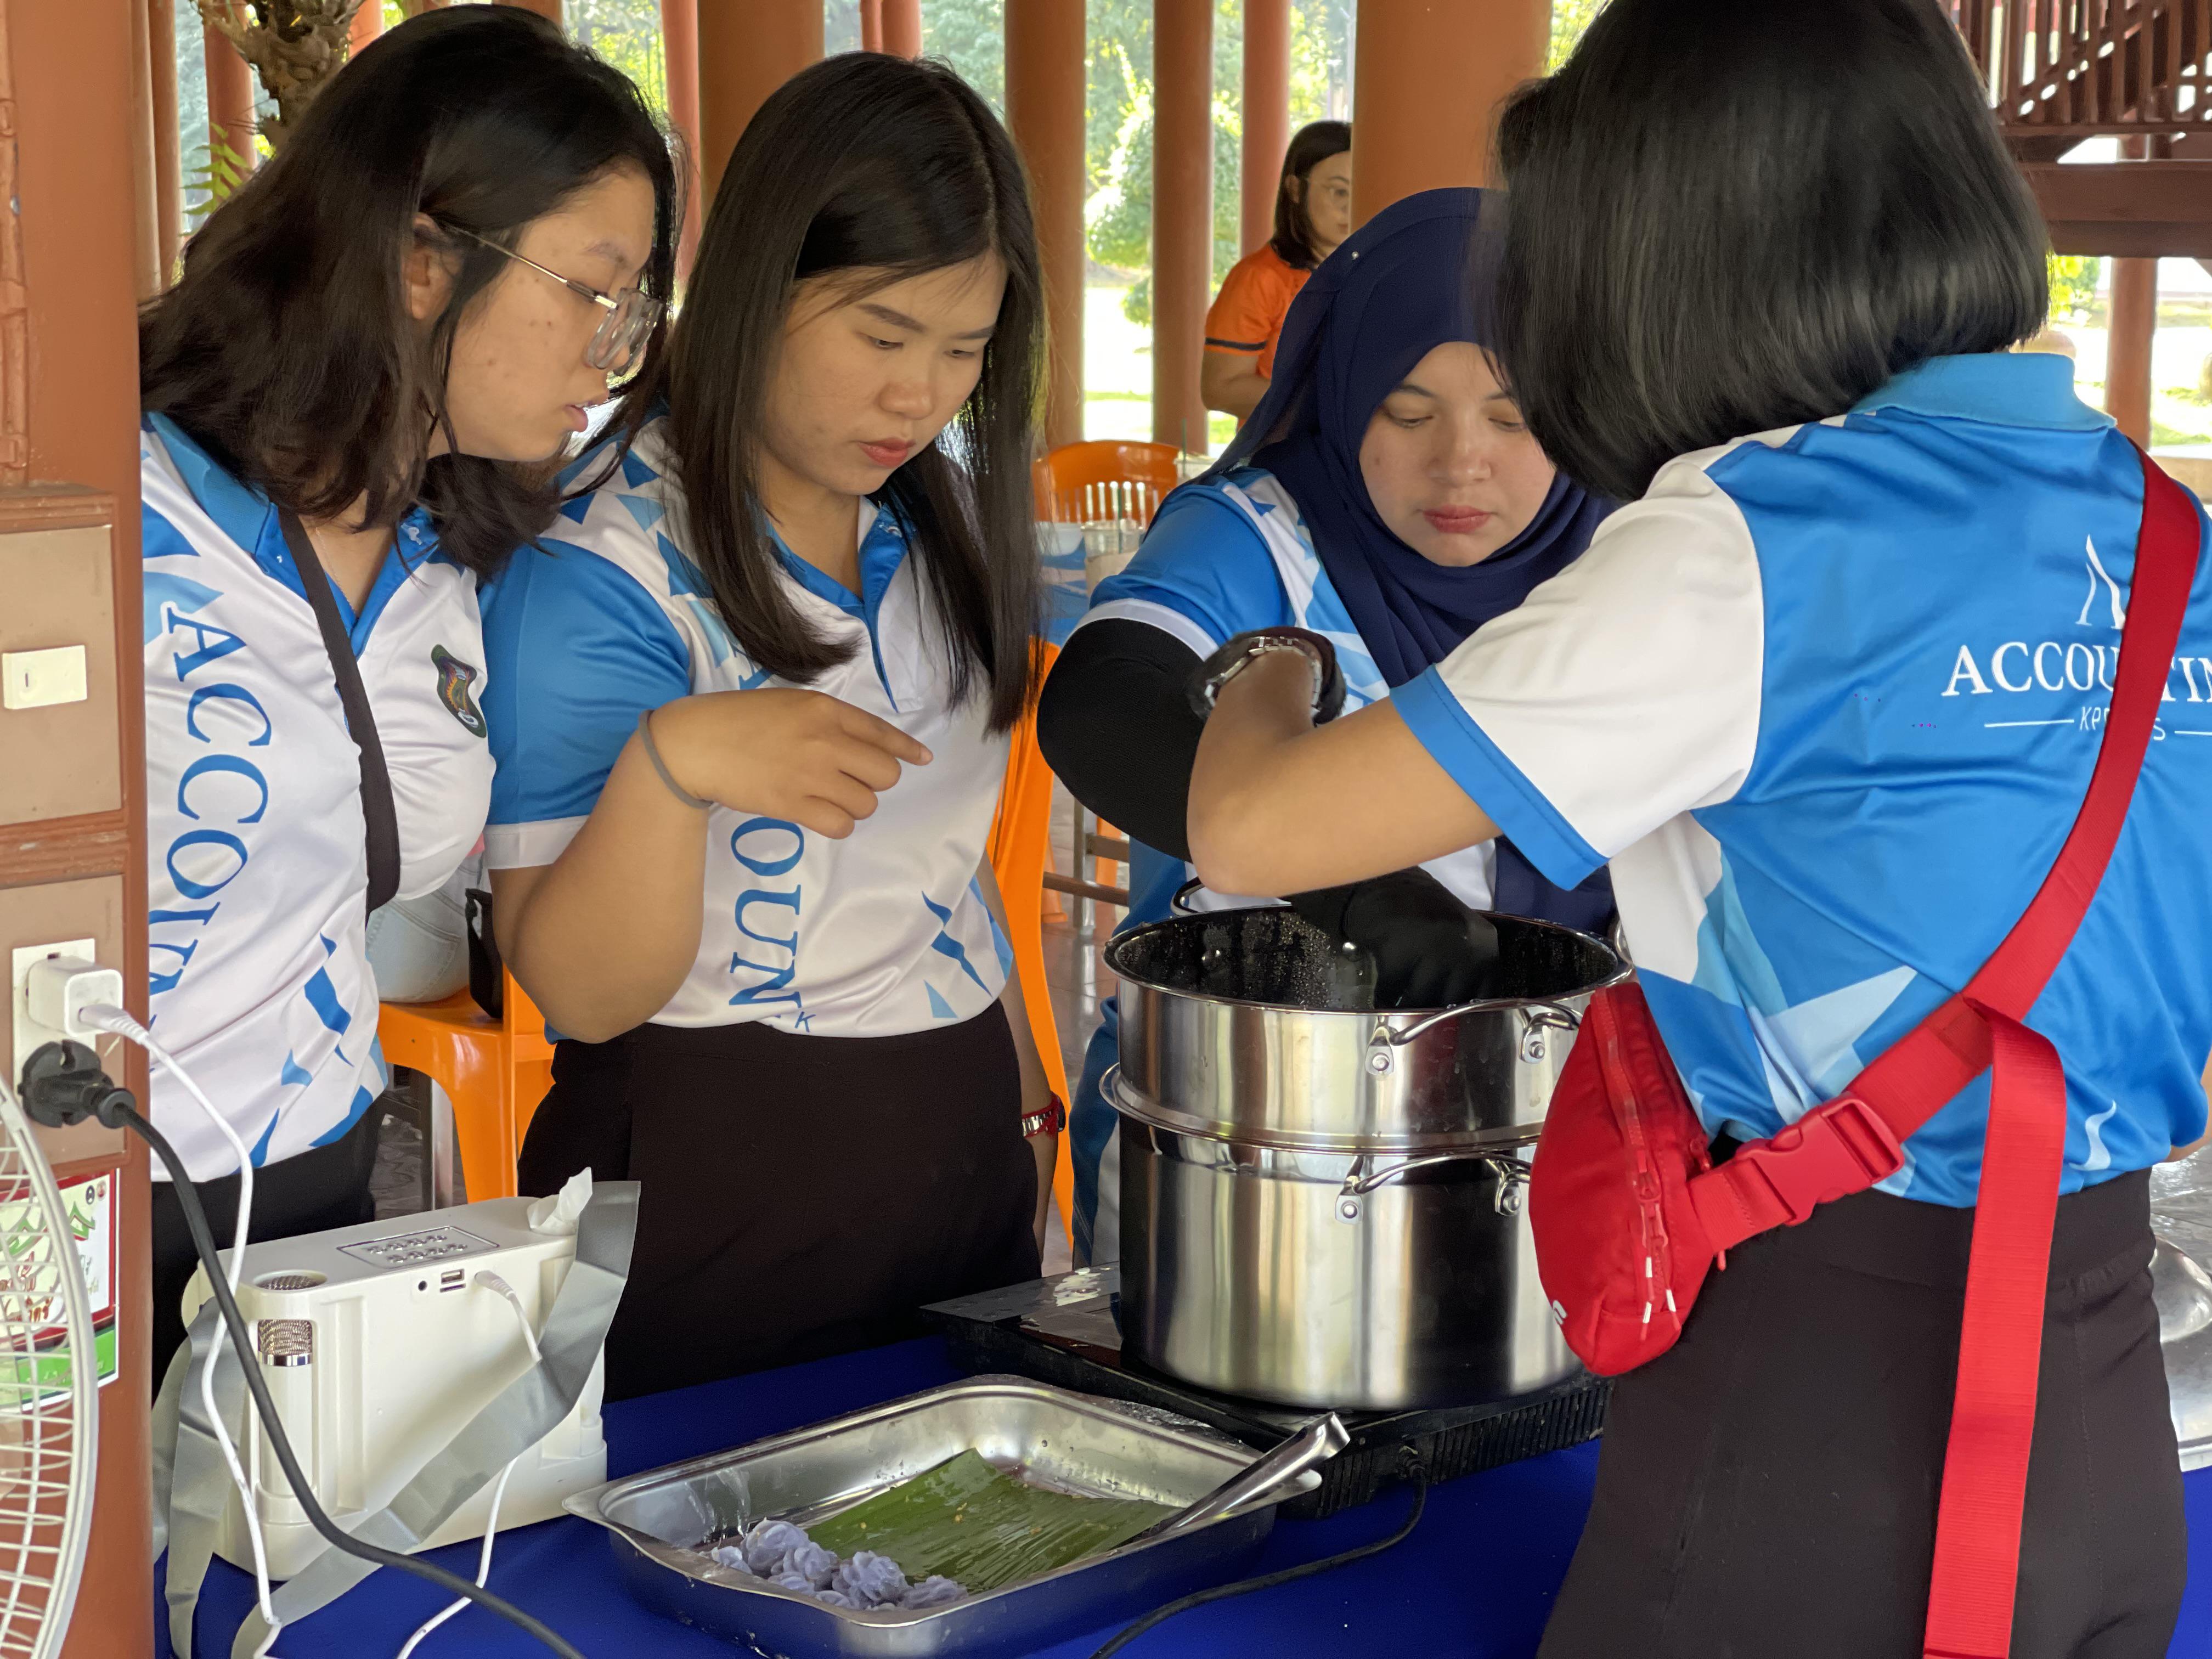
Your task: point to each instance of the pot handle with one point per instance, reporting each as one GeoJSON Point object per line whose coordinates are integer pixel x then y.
{"type": "Point", "coordinates": [1536, 1013]}
{"type": "Point", "coordinates": [1512, 1176]}
{"type": "Point", "coordinates": [1180, 904]}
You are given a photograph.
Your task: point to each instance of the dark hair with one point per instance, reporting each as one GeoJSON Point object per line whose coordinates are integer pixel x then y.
{"type": "Point", "coordinates": [286, 347]}
{"type": "Point", "coordinates": [1730, 216]}
{"type": "Point", "coordinates": [1312, 144]}
{"type": "Point", "coordinates": [869, 164]}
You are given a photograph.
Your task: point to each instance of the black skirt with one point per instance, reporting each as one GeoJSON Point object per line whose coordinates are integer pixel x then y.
{"type": "Point", "coordinates": [1769, 1486]}
{"type": "Point", "coordinates": [800, 1195]}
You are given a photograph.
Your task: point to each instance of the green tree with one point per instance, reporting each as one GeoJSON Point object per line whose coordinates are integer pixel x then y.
{"type": "Point", "coordinates": [627, 34]}
{"type": "Point", "coordinates": [2073, 284]}
{"type": "Point", "coordinates": [1569, 18]}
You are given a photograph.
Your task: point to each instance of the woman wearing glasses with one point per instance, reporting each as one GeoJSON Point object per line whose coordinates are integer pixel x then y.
{"type": "Point", "coordinates": [350, 395]}
{"type": "Point", "coordinates": [750, 707]}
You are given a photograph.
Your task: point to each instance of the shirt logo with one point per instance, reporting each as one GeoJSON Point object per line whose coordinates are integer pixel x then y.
{"type": "Point", "coordinates": [2077, 670]}
{"type": "Point", "coordinates": [454, 678]}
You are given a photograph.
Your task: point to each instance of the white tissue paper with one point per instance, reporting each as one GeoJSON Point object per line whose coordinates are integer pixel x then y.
{"type": "Point", "coordinates": [559, 1213]}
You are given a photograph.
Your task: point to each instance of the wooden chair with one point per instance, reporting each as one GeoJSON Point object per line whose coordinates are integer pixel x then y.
{"type": "Point", "coordinates": [1019, 833]}
{"type": "Point", "coordinates": [495, 1072]}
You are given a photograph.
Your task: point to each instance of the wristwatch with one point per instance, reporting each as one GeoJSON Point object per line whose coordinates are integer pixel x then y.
{"type": "Point", "coordinates": [1241, 651]}
{"type": "Point", "coordinates": [1049, 1121]}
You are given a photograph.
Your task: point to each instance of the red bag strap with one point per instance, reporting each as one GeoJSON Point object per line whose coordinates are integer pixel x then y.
{"type": "Point", "coordinates": [1855, 1140]}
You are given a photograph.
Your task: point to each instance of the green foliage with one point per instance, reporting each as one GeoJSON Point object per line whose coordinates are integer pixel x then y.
{"type": "Point", "coordinates": [214, 171]}
{"type": "Point", "coordinates": [1120, 228]}
{"type": "Point", "coordinates": [1569, 19]}
{"type": "Point", "coordinates": [2073, 284]}
{"type": "Point", "coordinates": [971, 36]}
{"type": "Point", "coordinates": [627, 35]}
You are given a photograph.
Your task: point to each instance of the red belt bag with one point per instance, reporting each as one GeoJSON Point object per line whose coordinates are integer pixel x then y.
{"type": "Point", "coordinates": [1630, 1213]}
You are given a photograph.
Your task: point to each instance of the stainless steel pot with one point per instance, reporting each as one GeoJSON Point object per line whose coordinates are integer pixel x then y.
{"type": "Point", "coordinates": [1320, 1200]}
{"type": "Point", "coordinates": [1374, 1281]}
{"type": "Point", "coordinates": [1252, 1025]}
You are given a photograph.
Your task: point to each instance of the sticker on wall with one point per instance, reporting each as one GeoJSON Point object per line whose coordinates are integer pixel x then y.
{"type": "Point", "coordinates": [88, 1202]}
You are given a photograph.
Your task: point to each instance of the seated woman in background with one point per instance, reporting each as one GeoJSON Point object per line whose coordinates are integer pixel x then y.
{"type": "Point", "coordinates": [1313, 213]}
{"type": "Point", "coordinates": [751, 714]}
{"type": "Point", "coordinates": [337, 392]}
{"type": "Point", "coordinates": [1386, 494]}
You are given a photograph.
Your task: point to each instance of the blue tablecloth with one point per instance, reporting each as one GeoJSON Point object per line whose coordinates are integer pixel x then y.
{"type": "Point", "coordinates": [1475, 1580]}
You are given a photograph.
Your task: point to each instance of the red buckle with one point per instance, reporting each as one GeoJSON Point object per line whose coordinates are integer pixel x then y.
{"type": "Point", "coordinates": [1833, 1151]}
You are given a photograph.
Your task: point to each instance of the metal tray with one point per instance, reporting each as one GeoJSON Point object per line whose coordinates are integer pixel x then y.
{"type": "Point", "coordinates": [1086, 1444]}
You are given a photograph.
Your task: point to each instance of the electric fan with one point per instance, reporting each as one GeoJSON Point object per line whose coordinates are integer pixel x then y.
{"type": "Point", "coordinates": [49, 1400]}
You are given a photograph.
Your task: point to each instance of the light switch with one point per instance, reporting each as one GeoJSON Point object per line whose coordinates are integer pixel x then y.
{"type": "Point", "coordinates": [40, 679]}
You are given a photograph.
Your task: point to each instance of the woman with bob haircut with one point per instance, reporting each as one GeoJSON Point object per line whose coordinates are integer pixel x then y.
{"type": "Point", "coordinates": [750, 707]}
{"type": "Point", "coordinates": [1313, 215]}
{"type": "Point", "coordinates": [1778, 695]}
{"type": "Point", "coordinates": [350, 395]}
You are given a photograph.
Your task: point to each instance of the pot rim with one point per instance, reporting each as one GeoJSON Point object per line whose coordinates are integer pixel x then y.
{"type": "Point", "coordinates": [1117, 947]}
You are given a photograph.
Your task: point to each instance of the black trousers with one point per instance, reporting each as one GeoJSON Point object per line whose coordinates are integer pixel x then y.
{"type": "Point", "coordinates": [800, 1195]}
{"type": "Point", "coordinates": [1769, 1487]}
{"type": "Point", "coordinates": [322, 1187]}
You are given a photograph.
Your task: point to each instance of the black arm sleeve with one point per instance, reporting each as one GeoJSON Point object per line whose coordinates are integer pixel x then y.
{"type": "Point", "coordinates": [1116, 726]}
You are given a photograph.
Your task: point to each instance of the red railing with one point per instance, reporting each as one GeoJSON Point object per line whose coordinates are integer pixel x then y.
{"type": "Point", "coordinates": [2076, 68]}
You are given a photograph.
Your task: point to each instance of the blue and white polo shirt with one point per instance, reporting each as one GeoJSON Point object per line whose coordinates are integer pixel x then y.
{"type": "Point", "coordinates": [882, 933]}
{"type": "Point", "coordinates": [1222, 558]}
{"type": "Point", "coordinates": [258, 970]}
{"type": "Point", "coordinates": [1827, 699]}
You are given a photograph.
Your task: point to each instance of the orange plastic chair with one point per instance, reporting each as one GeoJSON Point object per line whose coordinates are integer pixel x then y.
{"type": "Point", "coordinates": [1017, 849]}
{"type": "Point", "coordinates": [496, 1072]}
{"type": "Point", "coordinates": [1060, 476]}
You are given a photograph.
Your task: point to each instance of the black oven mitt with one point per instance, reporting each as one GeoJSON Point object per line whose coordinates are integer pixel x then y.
{"type": "Point", "coordinates": [1430, 951]}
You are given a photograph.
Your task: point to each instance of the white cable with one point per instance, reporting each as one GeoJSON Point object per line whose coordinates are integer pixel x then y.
{"type": "Point", "coordinates": [488, 1281]}
{"type": "Point", "coordinates": [106, 1017]}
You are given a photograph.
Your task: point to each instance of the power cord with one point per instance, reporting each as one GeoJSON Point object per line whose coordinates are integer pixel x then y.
{"type": "Point", "coordinates": [485, 1279]}
{"type": "Point", "coordinates": [106, 1016]}
{"type": "Point", "coordinates": [1410, 1468]}
{"type": "Point", "coordinates": [68, 1088]}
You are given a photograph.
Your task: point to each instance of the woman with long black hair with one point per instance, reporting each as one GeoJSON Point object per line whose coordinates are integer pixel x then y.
{"type": "Point", "coordinates": [1765, 271]}
{"type": "Point", "coordinates": [350, 395]}
{"type": "Point", "coordinates": [750, 708]}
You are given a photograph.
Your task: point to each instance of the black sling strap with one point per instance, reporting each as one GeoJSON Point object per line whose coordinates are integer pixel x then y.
{"type": "Point", "coordinates": [378, 815]}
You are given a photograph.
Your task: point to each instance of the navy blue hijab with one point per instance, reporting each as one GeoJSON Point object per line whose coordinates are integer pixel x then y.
{"type": "Point", "coordinates": [1409, 281]}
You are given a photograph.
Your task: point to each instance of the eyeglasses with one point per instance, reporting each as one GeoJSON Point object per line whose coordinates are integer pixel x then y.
{"type": "Point", "coordinates": [631, 317]}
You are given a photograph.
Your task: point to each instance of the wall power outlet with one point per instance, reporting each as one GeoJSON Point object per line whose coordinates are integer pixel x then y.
{"type": "Point", "coordinates": [29, 1035]}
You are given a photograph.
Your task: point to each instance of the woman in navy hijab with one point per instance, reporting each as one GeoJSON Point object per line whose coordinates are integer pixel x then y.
{"type": "Point", "coordinates": [1385, 494]}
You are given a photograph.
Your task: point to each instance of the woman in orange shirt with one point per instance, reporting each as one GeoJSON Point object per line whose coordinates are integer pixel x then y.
{"type": "Point", "coordinates": [1313, 213]}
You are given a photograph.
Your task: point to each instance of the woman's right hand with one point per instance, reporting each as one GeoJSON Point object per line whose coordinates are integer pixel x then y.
{"type": "Point", "coordinates": [785, 753]}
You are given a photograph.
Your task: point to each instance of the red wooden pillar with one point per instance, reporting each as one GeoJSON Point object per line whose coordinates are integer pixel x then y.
{"type": "Point", "coordinates": [230, 89]}
{"type": "Point", "coordinates": [2133, 325]}
{"type": "Point", "coordinates": [872, 24]}
{"type": "Point", "coordinates": [1182, 213]}
{"type": "Point", "coordinates": [2127, 363]}
{"type": "Point", "coordinates": [746, 52]}
{"type": "Point", "coordinates": [1045, 89]}
{"type": "Point", "coordinates": [72, 820]}
{"type": "Point", "coordinates": [902, 27]}
{"type": "Point", "coordinates": [679, 39]}
{"type": "Point", "coordinates": [1267, 114]}
{"type": "Point", "coordinates": [1426, 85]}
{"type": "Point", "coordinates": [169, 163]}
{"type": "Point", "coordinates": [367, 24]}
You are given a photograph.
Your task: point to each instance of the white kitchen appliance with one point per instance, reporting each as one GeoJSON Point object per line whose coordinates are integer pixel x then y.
{"type": "Point", "coordinates": [380, 1343]}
